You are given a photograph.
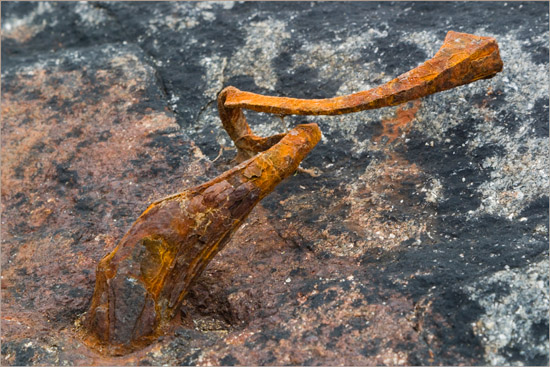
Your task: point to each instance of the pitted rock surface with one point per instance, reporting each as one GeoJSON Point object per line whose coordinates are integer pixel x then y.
{"type": "Point", "coordinates": [423, 241]}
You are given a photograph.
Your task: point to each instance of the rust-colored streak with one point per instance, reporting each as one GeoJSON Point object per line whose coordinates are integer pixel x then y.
{"type": "Point", "coordinates": [140, 285]}
{"type": "Point", "coordinates": [463, 58]}
{"type": "Point", "coordinates": [393, 128]}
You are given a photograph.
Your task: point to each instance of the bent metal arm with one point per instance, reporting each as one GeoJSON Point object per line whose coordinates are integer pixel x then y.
{"type": "Point", "coordinates": [463, 59]}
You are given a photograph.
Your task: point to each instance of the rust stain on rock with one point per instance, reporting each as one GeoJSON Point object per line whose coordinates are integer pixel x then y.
{"type": "Point", "coordinates": [382, 209]}
{"type": "Point", "coordinates": [79, 159]}
{"type": "Point", "coordinates": [394, 128]}
{"type": "Point", "coordinates": [329, 322]}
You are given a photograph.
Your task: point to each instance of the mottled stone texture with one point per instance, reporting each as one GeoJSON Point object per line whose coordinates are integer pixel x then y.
{"type": "Point", "coordinates": [424, 240]}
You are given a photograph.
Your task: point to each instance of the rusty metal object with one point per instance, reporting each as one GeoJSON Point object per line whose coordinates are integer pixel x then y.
{"type": "Point", "coordinates": [140, 285]}
{"type": "Point", "coordinates": [463, 59]}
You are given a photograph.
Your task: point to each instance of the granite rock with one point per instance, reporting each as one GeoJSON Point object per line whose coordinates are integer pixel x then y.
{"type": "Point", "coordinates": [423, 241]}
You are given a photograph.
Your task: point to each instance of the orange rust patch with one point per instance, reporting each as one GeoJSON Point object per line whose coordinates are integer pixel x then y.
{"type": "Point", "coordinates": [377, 194]}
{"type": "Point", "coordinates": [383, 189]}
{"type": "Point", "coordinates": [50, 129]}
{"type": "Point", "coordinates": [395, 127]}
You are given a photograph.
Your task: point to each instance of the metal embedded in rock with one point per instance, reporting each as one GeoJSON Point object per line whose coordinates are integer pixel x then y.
{"type": "Point", "coordinates": [141, 284]}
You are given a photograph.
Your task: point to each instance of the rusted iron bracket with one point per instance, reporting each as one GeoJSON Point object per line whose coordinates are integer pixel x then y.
{"type": "Point", "coordinates": [141, 284]}
{"type": "Point", "coordinates": [463, 58]}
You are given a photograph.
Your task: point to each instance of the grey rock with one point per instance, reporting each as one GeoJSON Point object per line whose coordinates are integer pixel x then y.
{"type": "Point", "coordinates": [514, 326]}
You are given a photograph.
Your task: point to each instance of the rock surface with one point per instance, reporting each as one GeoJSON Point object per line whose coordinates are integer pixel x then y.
{"type": "Point", "coordinates": [423, 241]}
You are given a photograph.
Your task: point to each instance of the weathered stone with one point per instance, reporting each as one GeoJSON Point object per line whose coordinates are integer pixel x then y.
{"type": "Point", "coordinates": [79, 160]}
{"type": "Point", "coordinates": [463, 174]}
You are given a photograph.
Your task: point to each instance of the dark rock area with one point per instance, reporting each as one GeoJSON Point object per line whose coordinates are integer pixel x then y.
{"type": "Point", "coordinates": [424, 241]}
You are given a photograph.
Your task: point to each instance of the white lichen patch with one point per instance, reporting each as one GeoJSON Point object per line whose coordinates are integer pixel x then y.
{"type": "Point", "coordinates": [511, 314]}
{"type": "Point", "coordinates": [426, 41]}
{"type": "Point", "coordinates": [224, 4]}
{"type": "Point", "coordinates": [341, 60]}
{"type": "Point", "coordinates": [522, 80]}
{"type": "Point", "coordinates": [211, 5]}
{"type": "Point", "coordinates": [214, 74]}
{"type": "Point", "coordinates": [89, 14]}
{"type": "Point", "coordinates": [23, 28]}
{"type": "Point", "coordinates": [433, 191]}
{"type": "Point", "coordinates": [520, 175]}
{"type": "Point", "coordinates": [263, 43]}
{"type": "Point", "coordinates": [183, 15]}
{"type": "Point", "coordinates": [11, 23]}
{"type": "Point", "coordinates": [516, 178]}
